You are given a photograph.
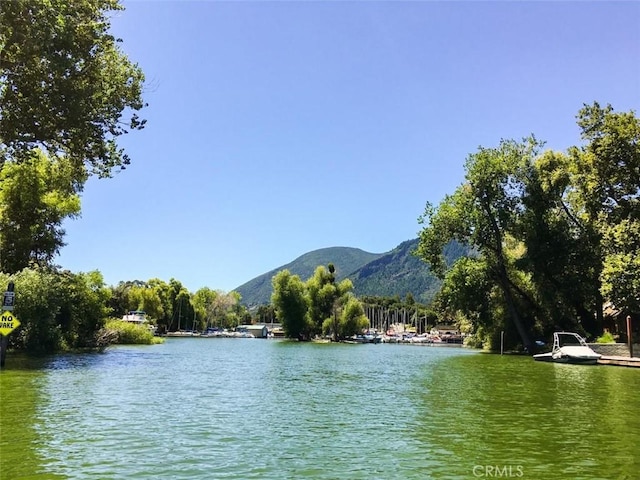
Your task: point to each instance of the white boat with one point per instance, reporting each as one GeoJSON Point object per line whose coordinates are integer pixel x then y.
{"type": "Point", "coordinates": [569, 347]}
{"type": "Point", "coordinates": [135, 316]}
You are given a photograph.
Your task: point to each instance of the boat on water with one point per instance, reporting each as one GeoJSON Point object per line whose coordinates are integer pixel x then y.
{"type": "Point", "coordinates": [569, 347]}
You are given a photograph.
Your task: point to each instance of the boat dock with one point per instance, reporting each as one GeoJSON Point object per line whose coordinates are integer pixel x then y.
{"type": "Point", "coordinates": [620, 361]}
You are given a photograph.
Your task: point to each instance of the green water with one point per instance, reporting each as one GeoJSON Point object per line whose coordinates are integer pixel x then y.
{"type": "Point", "coordinates": [242, 408]}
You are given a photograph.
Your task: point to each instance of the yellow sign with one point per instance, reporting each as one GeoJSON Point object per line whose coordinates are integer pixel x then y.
{"type": "Point", "coordinates": [8, 323]}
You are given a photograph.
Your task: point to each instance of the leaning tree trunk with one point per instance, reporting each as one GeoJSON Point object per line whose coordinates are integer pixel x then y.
{"type": "Point", "coordinates": [515, 316]}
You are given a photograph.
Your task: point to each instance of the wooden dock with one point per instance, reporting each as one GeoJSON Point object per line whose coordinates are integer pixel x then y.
{"type": "Point", "coordinates": [620, 361]}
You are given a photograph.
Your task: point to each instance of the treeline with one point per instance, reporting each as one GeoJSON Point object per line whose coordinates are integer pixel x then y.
{"type": "Point", "coordinates": [557, 234]}
{"type": "Point", "coordinates": [60, 310]}
{"type": "Point", "coordinates": [171, 307]}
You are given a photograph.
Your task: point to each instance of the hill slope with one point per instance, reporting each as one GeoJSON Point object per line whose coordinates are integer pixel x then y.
{"type": "Point", "coordinates": [345, 259]}
{"type": "Point", "coordinates": [399, 272]}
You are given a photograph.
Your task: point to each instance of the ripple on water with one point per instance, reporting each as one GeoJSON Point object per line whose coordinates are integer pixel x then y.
{"type": "Point", "coordinates": [198, 408]}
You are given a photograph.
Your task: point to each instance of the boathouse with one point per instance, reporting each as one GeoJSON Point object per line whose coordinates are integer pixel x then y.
{"type": "Point", "coordinates": [258, 331]}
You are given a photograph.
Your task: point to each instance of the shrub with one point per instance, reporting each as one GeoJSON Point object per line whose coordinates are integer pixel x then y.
{"type": "Point", "coordinates": [606, 337]}
{"type": "Point", "coordinates": [131, 334]}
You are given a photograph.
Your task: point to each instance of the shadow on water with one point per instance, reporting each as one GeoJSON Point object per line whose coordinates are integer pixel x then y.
{"type": "Point", "coordinates": [20, 436]}
{"type": "Point", "coordinates": [488, 415]}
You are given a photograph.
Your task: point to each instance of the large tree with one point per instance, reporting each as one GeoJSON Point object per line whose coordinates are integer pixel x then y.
{"type": "Point", "coordinates": [483, 213]}
{"type": "Point", "coordinates": [554, 233]}
{"type": "Point", "coordinates": [290, 303]}
{"type": "Point", "coordinates": [65, 85]}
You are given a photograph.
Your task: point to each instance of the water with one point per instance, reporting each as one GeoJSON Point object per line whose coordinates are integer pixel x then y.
{"type": "Point", "coordinates": [241, 409]}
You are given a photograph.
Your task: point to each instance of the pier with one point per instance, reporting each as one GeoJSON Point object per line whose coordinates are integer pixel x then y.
{"type": "Point", "coordinates": [619, 361]}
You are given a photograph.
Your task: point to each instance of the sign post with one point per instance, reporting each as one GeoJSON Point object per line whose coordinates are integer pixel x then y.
{"type": "Point", "coordinates": [8, 323]}
{"type": "Point", "coordinates": [629, 336]}
{"type": "Point", "coordinates": [8, 300]}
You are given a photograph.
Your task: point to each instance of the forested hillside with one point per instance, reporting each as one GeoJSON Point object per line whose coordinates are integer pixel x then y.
{"type": "Point", "coordinates": [396, 272]}
{"type": "Point", "coordinates": [400, 272]}
{"type": "Point", "coordinates": [345, 259]}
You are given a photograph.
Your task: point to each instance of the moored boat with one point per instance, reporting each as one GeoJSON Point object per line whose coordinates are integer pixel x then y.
{"type": "Point", "coordinates": [569, 347]}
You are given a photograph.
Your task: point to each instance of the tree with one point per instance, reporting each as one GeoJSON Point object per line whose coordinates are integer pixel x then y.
{"type": "Point", "coordinates": [204, 302]}
{"type": "Point", "coordinates": [82, 310]}
{"type": "Point", "coordinates": [36, 196]}
{"type": "Point", "coordinates": [606, 198]}
{"type": "Point", "coordinates": [265, 314]}
{"type": "Point", "coordinates": [621, 268]}
{"type": "Point", "coordinates": [65, 85]}
{"type": "Point", "coordinates": [147, 299]}
{"type": "Point", "coordinates": [322, 293]}
{"type": "Point", "coordinates": [554, 233]}
{"type": "Point", "coordinates": [607, 167]}
{"type": "Point", "coordinates": [309, 308]}
{"type": "Point", "coordinates": [225, 309]}
{"type": "Point", "coordinates": [291, 304]}
{"type": "Point", "coordinates": [352, 318]}
{"type": "Point", "coordinates": [483, 212]}
{"type": "Point", "coordinates": [561, 249]}
{"type": "Point", "coordinates": [166, 293]}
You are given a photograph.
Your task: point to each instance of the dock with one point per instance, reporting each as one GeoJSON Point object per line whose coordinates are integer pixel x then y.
{"type": "Point", "coordinates": [619, 361]}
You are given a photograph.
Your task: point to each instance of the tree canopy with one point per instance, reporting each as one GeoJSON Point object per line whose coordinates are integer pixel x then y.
{"type": "Point", "coordinates": [36, 196]}
{"type": "Point", "coordinates": [67, 93]}
{"type": "Point", "coordinates": [319, 305]}
{"type": "Point", "coordinates": [65, 85]}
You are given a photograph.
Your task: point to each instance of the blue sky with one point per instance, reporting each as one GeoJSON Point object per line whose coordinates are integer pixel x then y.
{"type": "Point", "coordinates": [277, 128]}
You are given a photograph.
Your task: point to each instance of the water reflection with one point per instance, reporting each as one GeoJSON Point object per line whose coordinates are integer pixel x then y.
{"type": "Point", "coordinates": [552, 421]}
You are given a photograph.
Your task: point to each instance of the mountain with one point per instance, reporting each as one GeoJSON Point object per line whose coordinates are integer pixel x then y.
{"type": "Point", "coordinates": [397, 272]}
{"type": "Point", "coordinates": [345, 259]}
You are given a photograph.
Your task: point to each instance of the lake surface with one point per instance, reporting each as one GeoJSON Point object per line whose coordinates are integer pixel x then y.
{"type": "Point", "coordinates": [240, 408]}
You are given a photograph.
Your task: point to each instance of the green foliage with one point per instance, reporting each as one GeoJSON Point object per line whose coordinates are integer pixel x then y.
{"type": "Point", "coordinates": [65, 85]}
{"type": "Point", "coordinates": [607, 197]}
{"type": "Point", "coordinates": [484, 212]}
{"type": "Point", "coordinates": [316, 306]}
{"type": "Point", "coordinates": [171, 306]}
{"type": "Point", "coordinates": [322, 293]}
{"type": "Point", "coordinates": [352, 319]}
{"type": "Point", "coordinates": [131, 334]}
{"type": "Point", "coordinates": [606, 337]}
{"type": "Point", "coordinates": [57, 310]}
{"type": "Point", "coordinates": [291, 305]}
{"type": "Point", "coordinates": [621, 266]}
{"type": "Point", "coordinates": [607, 167]}
{"type": "Point", "coordinates": [554, 233]}
{"type": "Point", "coordinates": [36, 196]}
{"type": "Point", "coordinates": [147, 299]}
